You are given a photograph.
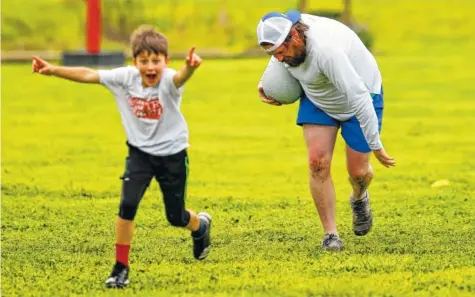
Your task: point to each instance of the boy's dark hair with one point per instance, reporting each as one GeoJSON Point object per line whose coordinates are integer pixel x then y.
{"type": "Point", "coordinates": [146, 38]}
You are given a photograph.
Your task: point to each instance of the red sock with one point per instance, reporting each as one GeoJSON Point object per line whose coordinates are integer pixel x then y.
{"type": "Point", "coordinates": [122, 253]}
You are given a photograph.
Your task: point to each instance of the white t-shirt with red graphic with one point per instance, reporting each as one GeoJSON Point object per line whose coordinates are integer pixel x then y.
{"type": "Point", "coordinates": [151, 116]}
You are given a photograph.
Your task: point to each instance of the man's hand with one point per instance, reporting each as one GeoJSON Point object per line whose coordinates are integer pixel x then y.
{"type": "Point", "coordinates": [193, 61]}
{"type": "Point", "coordinates": [383, 158]}
{"type": "Point", "coordinates": [266, 99]}
{"type": "Point", "coordinates": [41, 66]}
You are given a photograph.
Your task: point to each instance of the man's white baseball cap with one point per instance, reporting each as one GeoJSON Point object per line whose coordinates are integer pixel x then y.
{"type": "Point", "coordinates": [274, 27]}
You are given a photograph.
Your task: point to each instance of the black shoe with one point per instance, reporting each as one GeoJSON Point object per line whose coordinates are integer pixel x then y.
{"type": "Point", "coordinates": [331, 242]}
{"type": "Point", "coordinates": [119, 277]}
{"type": "Point", "coordinates": [202, 244]}
{"type": "Point", "coordinates": [362, 216]}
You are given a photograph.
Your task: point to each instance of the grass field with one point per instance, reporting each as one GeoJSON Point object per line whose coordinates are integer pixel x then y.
{"type": "Point", "coordinates": [63, 152]}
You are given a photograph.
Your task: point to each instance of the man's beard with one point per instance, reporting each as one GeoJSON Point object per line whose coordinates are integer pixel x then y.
{"type": "Point", "coordinates": [296, 60]}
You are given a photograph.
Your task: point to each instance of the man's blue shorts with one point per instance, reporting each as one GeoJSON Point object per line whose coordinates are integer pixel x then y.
{"type": "Point", "coordinates": [350, 129]}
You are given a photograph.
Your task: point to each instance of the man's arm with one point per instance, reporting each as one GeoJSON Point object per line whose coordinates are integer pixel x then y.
{"type": "Point", "coordinates": [77, 74]}
{"type": "Point", "coordinates": [192, 62]}
{"type": "Point", "coordinates": [343, 75]}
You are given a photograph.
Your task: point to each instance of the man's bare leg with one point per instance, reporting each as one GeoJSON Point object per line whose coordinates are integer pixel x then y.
{"type": "Point", "coordinates": [320, 141]}
{"type": "Point", "coordinates": [360, 176]}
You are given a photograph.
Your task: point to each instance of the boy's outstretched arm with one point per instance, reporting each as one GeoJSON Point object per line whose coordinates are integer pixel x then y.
{"type": "Point", "coordinates": [192, 62]}
{"type": "Point", "coordinates": [78, 74]}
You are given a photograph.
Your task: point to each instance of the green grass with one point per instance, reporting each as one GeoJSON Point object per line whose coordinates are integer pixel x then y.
{"type": "Point", "coordinates": [63, 152]}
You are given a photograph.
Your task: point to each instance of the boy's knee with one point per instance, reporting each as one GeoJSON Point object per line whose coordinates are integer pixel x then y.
{"type": "Point", "coordinates": [179, 219]}
{"type": "Point", "coordinates": [127, 212]}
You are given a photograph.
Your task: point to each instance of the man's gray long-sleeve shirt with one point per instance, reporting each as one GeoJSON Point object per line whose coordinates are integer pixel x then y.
{"type": "Point", "coordinates": [339, 75]}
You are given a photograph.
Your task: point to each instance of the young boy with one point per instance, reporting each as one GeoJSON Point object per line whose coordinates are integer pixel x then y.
{"type": "Point", "coordinates": [148, 97]}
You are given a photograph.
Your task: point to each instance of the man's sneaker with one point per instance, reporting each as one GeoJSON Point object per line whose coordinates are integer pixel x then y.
{"type": "Point", "coordinates": [332, 242]}
{"type": "Point", "coordinates": [119, 277]}
{"type": "Point", "coordinates": [362, 217]}
{"type": "Point", "coordinates": [202, 244]}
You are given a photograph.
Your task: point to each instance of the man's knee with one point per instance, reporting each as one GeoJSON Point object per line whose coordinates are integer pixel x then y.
{"type": "Point", "coordinates": [319, 165]}
{"type": "Point", "coordinates": [360, 172]}
{"type": "Point", "coordinates": [178, 219]}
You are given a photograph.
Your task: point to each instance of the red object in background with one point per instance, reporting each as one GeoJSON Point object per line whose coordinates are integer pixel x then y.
{"type": "Point", "coordinates": [93, 26]}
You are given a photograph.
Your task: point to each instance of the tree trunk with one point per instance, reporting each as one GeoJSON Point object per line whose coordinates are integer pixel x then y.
{"type": "Point", "coordinates": [346, 12]}
{"type": "Point", "coordinates": [302, 6]}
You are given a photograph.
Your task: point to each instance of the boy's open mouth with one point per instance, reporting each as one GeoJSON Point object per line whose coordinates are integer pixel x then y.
{"type": "Point", "coordinates": [151, 76]}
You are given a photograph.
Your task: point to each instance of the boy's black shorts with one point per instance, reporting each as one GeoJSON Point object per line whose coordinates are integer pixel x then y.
{"type": "Point", "coordinates": [171, 172]}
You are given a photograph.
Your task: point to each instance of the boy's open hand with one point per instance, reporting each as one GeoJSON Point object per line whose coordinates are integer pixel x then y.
{"type": "Point", "coordinates": [193, 61]}
{"type": "Point", "coordinates": [41, 66]}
